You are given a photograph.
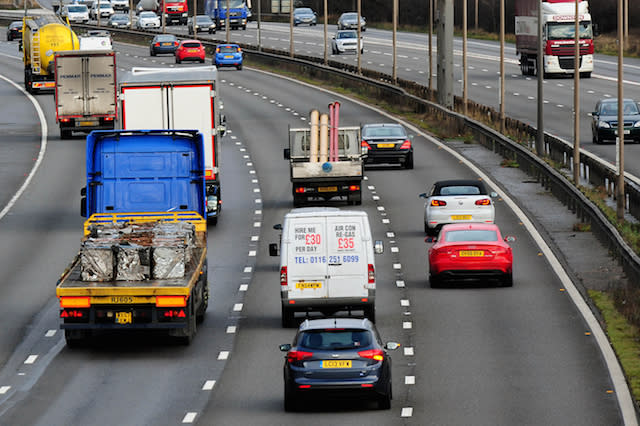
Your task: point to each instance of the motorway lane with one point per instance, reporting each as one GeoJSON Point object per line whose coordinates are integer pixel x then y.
{"type": "Point", "coordinates": [482, 356]}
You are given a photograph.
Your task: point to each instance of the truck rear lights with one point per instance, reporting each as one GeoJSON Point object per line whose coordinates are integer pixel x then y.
{"type": "Point", "coordinates": [173, 314]}
{"type": "Point", "coordinates": [300, 190]}
{"type": "Point", "coordinates": [73, 313]}
{"type": "Point", "coordinates": [353, 188]}
{"type": "Point", "coordinates": [371, 274]}
{"type": "Point", "coordinates": [65, 120]}
{"type": "Point", "coordinates": [438, 203]}
{"type": "Point", "coordinates": [483, 202]}
{"type": "Point", "coordinates": [75, 302]}
{"type": "Point", "coordinates": [171, 301]}
{"type": "Point", "coordinates": [283, 275]}
{"type": "Point", "coordinates": [406, 144]}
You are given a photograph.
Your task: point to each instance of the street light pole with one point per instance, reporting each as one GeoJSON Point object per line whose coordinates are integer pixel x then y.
{"type": "Point", "coordinates": [620, 195]}
{"type": "Point", "coordinates": [464, 57]}
{"type": "Point", "coordinates": [502, 79]}
{"type": "Point", "coordinates": [395, 30]}
{"type": "Point", "coordinates": [360, 37]}
{"type": "Point", "coordinates": [259, 26]}
{"type": "Point", "coordinates": [540, 75]}
{"type": "Point", "coordinates": [576, 102]}
{"type": "Point", "coordinates": [430, 44]}
{"type": "Point", "coordinates": [325, 33]}
{"type": "Point", "coordinates": [291, 28]}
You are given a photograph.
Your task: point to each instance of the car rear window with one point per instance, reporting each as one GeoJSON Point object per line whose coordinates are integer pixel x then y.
{"type": "Point", "coordinates": [470, 235]}
{"type": "Point", "coordinates": [335, 339]}
{"type": "Point", "coordinates": [228, 49]}
{"type": "Point", "coordinates": [384, 131]}
{"type": "Point", "coordinates": [191, 44]}
{"type": "Point", "coordinates": [165, 38]}
{"type": "Point", "coordinates": [460, 190]}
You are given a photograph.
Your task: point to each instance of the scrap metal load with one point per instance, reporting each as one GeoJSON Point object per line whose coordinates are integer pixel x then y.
{"type": "Point", "coordinates": [140, 251]}
{"type": "Point", "coordinates": [325, 160]}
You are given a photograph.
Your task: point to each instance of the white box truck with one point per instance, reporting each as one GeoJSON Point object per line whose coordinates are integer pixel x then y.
{"type": "Point", "coordinates": [326, 262]}
{"type": "Point", "coordinates": [178, 99]}
{"type": "Point", "coordinates": [85, 92]}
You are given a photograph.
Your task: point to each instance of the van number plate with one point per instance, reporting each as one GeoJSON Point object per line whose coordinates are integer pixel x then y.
{"type": "Point", "coordinates": [304, 285]}
{"type": "Point", "coordinates": [124, 317]}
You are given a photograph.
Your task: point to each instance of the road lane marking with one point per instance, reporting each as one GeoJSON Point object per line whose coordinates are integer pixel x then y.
{"type": "Point", "coordinates": [223, 355]}
{"type": "Point", "coordinates": [408, 351]}
{"type": "Point", "coordinates": [406, 412]}
{"type": "Point", "coordinates": [4, 389]}
{"type": "Point", "coordinates": [31, 359]}
{"type": "Point", "coordinates": [208, 385]}
{"type": "Point", "coordinates": [189, 417]}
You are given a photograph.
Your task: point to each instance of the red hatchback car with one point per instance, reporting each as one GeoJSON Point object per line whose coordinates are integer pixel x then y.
{"type": "Point", "coordinates": [475, 251]}
{"type": "Point", "coordinates": [190, 50]}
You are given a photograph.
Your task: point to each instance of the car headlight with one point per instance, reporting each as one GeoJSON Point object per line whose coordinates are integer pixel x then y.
{"type": "Point", "coordinates": [604, 124]}
{"type": "Point", "coordinates": [636, 124]}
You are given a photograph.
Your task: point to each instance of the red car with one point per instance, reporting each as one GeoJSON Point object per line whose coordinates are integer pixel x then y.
{"type": "Point", "coordinates": [474, 251]}
{"type": "Point", "coordinates": [190, 50]}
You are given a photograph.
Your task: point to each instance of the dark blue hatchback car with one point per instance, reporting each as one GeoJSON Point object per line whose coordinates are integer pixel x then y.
{"type": "Point", "coordinates": [163, 43]}
{"type": "Point", "coordinates": [337, 357]}
{"type": "Point", "coordinates": [228, 55]}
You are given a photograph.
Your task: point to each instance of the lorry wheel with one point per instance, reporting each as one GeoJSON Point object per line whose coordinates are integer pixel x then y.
{"type": "Point", "coordinates": [370, 313]}
{"type": "Point", "coordinates": [297, 201]}
{"type": "Point", "coordinates": [65, 134]}
{"type": "Point", "coordinates": [287, 317]}
{"type": "Point", "coordinates": [186, 336]}
{"type": "Point", "coordinates": [202, 309]}
{"type": "Point", "coordinates": [585, 74]}
{"type": "Point", "coordinates": [75, 338]}
{"type": "Point", "coordinates": [244, 27]}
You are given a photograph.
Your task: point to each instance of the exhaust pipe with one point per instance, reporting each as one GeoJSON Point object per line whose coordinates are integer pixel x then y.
{"type": "Point", "coordinates": [313, 140]}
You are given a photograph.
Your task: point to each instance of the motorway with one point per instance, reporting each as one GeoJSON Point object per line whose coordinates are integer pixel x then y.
{"type": "Point", "coordinates": [484, 356]}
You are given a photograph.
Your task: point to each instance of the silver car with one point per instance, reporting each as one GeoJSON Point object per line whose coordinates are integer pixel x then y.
{"type": "Point", "coordinates": [456, 201]}
{"type": "Point", "coordinates": [346, 41]}
{"type": "Point", "coordinates": [148, 20]}
{"type": "Point", "coordinates": [349, 21]}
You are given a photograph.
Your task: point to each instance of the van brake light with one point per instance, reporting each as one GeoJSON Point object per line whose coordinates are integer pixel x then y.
{"type": "Point", "coordinates": [371, 274]}
{"type": "Point", "coordinates": [283, 275]}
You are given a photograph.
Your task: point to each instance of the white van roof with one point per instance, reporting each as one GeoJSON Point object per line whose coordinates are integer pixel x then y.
{"type": "Point", "coordinates": [323, 211]}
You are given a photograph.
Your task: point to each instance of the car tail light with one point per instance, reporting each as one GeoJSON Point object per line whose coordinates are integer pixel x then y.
{"type": "Point", "coordinates": [108, 119]}
{"type": "Point", "coordinates": [365, 144]}
{"type": "Point", "coordinates": [157, 44]}
{"type": "Point", "coordinates": [293, 356]}
{"type": "Point", "coordinates": [283, 275]}
{"type": "Point", "coordinates": [217, 50]}
{"type": "Point", "coordinates": [353, 188]}
{"type": "Point", "coordinates": [483, 202]}
{"type": "Point", "coordinates": [406, 144]}
{"type": "Point", "coordinates": [371, 273]}
{"type": "Point", "coordinates": [375, 354]}
{"type": "Point", "coordinates": [438, 203]}
{"type": "Point", "coordinates": [239, 50]}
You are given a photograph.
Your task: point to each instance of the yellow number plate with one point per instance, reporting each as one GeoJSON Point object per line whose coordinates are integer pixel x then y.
{"type": "Point", "coordinates": [471, 253]}
{"type": "Point", "coordinates": [122, 300]}
{"type": "Point", "coordinates": [228, 56]}
{"type": "Point", "coordinates": [328, 189]}
{"type": "Point", "coordinates": [461, 217]}
{"type": "Point", "coordinates": [303, 285]}
{"type": "Point", "coordinates": [386, 145]}
{"type": "Point", "coordinates": [87, 123]}
{"type": "Point", "coordinates": [336, 363]}
{"type": "Point", "coordinates": [124, 317]}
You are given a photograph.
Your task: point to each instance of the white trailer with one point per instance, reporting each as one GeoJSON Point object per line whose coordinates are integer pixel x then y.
{"type": "Point", "coordinates": [178, 99]}
{"type": "Point", "coordinates": [85, 91]}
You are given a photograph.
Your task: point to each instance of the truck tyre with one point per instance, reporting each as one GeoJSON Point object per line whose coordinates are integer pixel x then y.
{"type": "Point", "coordinates": [287, 317]}
{"type": "Point", "coordinates": [297, 201]}
{"type": "Point", "coordinates": [202, 309]}
{"type": "Point", "coordinates": [585, 74]}
{"type": "Point", "coordinates": [186, 334]}
{"type": "Point", "coordinates": [370, 313]}
{"type": "Point", "coordinates": [75, 338]}
{"type": "Point", "coordinates": [65, 134]}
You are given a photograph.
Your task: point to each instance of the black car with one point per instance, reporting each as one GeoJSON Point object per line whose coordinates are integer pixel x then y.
{"type": "Point", "coordinates": [203, 24]}
{"type": "Point", "coordinates": [14, 31]}
{"type": "Point", "coordinates": [337, 357]}
{"type": "Point", "coordinates": [163, 43]}
{"type": "Point", "coordinates": [604, 123]}
{"type": "Point", "coordinates": [387, 143]}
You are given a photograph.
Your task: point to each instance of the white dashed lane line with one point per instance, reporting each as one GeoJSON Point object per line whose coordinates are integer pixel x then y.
{"type": "Point", "coordinates": [189, 417]}
{"type": "Point", "coordinates": [223, 355]}
{"type": "Point", "coordinates": [208, 385]}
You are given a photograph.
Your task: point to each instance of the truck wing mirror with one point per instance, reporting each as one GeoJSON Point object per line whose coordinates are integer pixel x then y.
{"type": "Point", "coordinates": [378, 247]}
{"type": "Point", "coordinates": [287, 153]}
{"type": "Point", "coordinates": [273, 249]}
{"type": "Point", "coordinates": [83, 191]}
{"type": "Point", "coordinates": [83, 206]}
{"type": "Point", "coordinates": [277, 227]}
{"type": "Point", "coordinates": [222, 128]}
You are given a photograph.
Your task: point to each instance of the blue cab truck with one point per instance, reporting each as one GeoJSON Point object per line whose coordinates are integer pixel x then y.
{"type": "Point", "coordinates": [238, 13]}
{"type": "Point", "coordinates": [142, 263]}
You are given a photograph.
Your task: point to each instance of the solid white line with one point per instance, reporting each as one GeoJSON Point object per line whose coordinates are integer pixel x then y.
{"type": "Point", "coordinates": [627, 406]}
{"type": "Point", "coordinates": [43, 148]}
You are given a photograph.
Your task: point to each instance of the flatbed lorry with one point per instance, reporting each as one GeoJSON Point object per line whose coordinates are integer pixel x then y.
{"type": "Point", "coordinates": [143, 257]}
{"type": "Point", "coordinates": [325, 162]}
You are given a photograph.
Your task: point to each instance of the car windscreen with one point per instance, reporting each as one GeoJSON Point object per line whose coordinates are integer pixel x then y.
{"type": "Point", "coordinates": [203, 20]}
{"type": "Point", "coordinates": [302, 11]}
{"type": "Point", "coordinates": [372, 132]}
{"type": "Point", "coordinates": [77, 9]}
{"type": "Point", "coordinates": [148, 15]}
{"type": "Point", "coordinates": [228, 49]}
{"type": "Point", "coordinates": [349, 16]}
{"type": "Point", "coordinates": [191, 44]}
{"type": "Point", "coordinates": [611, 108]}
{"type": "Point", "coordinates": [470, 235]}
{"type": "Point", "coordinates": [120, 18]}
{"type": "Point", "coordinates": [335, 339]}
{"type": "Point", "coordinates": [460, 190]}
{"type": "Point", "coordinates": [347, 34]}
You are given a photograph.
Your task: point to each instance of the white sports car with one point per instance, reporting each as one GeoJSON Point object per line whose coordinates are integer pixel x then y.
{"type": "Point", "coordinates": [456, 201]}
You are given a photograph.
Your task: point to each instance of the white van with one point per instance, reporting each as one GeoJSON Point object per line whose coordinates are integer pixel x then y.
{"type": "Point", "coordinates": [326, 262]}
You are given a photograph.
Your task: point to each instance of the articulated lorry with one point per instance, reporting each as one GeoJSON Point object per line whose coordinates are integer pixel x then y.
{"type": "Point", "coordinates": [238, 13]}
{"type": "Point", "coordinates": [185, 98]}
{"type": "Point", "coordinates": [558, 36]}
{"type": "Point", "coordinates": [325, 161]}
{"type": "Point", "coordinates": [42, 36]}
{"type": "Point", "coordinates": [85, 91]}
{"type": "Point", "coordinates": [142, 262]}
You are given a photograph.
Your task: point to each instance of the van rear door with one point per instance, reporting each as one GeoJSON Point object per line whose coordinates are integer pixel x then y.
{"type": "Point", "coordinates": [307, 258]}
{"type": "Point", "coordinates": [346, 257]}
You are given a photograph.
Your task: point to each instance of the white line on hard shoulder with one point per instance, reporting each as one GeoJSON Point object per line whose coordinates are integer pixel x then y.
{"type": "Point", "coordinates": [43, 148]}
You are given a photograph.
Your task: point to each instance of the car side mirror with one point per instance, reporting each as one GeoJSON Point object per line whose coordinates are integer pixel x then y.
{"type": "Point", "coordinates": [273, 249]}
{"type": "Point", "coordinates": [423, 195]}
{"type": "Point", "coordinates": [378, 247]}
{"type": "Point", "coordinates": [287, 153]}
{"type": "Point", "coordinates": [286, 347]}
{"type": "Point", "coordinates": [430, 240]}
{"type": "Point", "coordinates": [493, 194]}
{"type": "Point", "coordinates": [509, 238]}
{"type": "Point", "coordinates": [392, 346]}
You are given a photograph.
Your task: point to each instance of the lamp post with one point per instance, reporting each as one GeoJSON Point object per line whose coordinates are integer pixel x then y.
{"type": "Point", "coordinates": [576, 101]}
{"type": "Point", "coordinates": [464, 57]}
{"type": "Point", "coordinates": [620, 195]}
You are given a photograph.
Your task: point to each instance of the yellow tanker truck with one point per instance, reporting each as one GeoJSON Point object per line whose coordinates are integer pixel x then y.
{"type": "Point", "coordinates": [42, 36]}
